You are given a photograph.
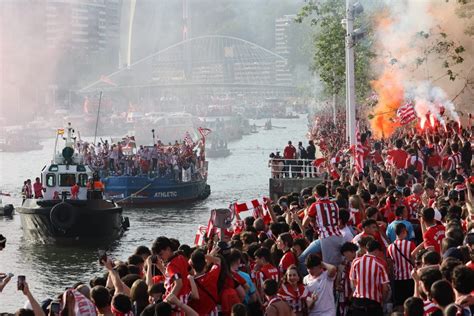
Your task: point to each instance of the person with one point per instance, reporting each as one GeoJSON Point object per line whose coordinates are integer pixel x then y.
{"type": "Point", "coordinates": [101, 298]}
{"type": "Point", "coordinates": [276, 306]}
{"type": "Point", "coordinates": [326, 215]}
{"type": "Point", "coordinates": [398, 156]}
{"type": "Point", "coordinates": [38, 188]}
{"type": "Point", "coordinates": [370, 281]}
{"type": "Point", "coordinates": [401, 215]}
{"type": "Point", "coordinates": [35, 306]}
{"type": "Point", "coordinates": [4, 278]}
{"type": "Point", "coordinates": [206, 281]}
{"type": "Point", "coordinates": [284, 243]}
{"type": "Point", "coordinates": [289, 153]}
{"type": "Point", "coordinates": [320, 282]}
{"type": "Point", "coordinates": [175, 270]}
{"type": "Point", "coordinates": [75, 191]}
{"type": "Point", "coordinates": [433, 232]}
{"type": "Point", "coordinates": [264, 270]}
{"type": "Point", "coordinates": [413, 306]}
{"type": "Point", "coordinates": [400, 253]}
{"type": "Point", "coordinates": [293, 291]}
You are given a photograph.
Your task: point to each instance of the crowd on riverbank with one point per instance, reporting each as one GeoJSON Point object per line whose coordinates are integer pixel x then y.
{"type": "Point", "coordinates": [395, 237]}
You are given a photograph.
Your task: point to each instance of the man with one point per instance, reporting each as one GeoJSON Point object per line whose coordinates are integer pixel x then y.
{"type": "Point", "coordinates": [75, 191]}
{"type": "Point", "coordinates": [370, 282]}
{"type": "Point", "coordinates": [28, 189]}
{"type": "Point", "coordinates": [433, 233]}
{"type": "Point", "coordinates": [413, 201]}
{"type": "Point", "coordinates": [370, 228]}
{"type": "Point", "coordinates": [320, 282]}
{"type": "Point", "coordinates": [289, 153]}
{"type": "Point", "coordinates": [38, 188]}
{"type": "Point", "coordinates": [176, 271]}
{"type": "Point", "coordinates": [454, 159]}
{"type": "Point", "coordinates": [101, 298]}
{"type": "Point", "coordinates": [264, 269]}
{"type": "Point", "coordinates": [398, 156]}
{"type": "Point", "coordinates": [326, 216]}
{"type": "Point", "coordinates": [276, 306]}
{"type": "Point", "coordinates": [206, 282]}
{"type": "Point", "coordinates": [401, 214]}
{"type": "Point", "coordinates": [400, 253]}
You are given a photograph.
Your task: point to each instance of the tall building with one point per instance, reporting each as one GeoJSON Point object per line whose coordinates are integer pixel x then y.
{"type": "Point", "coordinates": [282, 33]}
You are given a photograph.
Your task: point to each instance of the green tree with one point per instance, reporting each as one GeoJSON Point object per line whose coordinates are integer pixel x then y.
{"type": "Point", "coordinates": [329, 47]}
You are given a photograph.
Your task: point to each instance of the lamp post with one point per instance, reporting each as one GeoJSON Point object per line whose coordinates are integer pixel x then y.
{"type": "Point", "coordinates": [351, 11]}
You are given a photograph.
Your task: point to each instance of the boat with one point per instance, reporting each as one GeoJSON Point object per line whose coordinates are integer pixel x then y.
{"type": "Point", "coordinates": [64, 217]}
{"type": "Point", "coordinates": [218, 149]}
{"type": "Point", "coordinates": [268, 125]}
{"type": "Point", "coordinates": [18, 139]}
{"type": "Point", "coordinates": [6, 210]}
{"type": "Point", "coordinates": [253, 129]}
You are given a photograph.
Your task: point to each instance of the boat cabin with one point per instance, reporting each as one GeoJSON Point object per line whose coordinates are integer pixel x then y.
{"type": "Point", "coordinates": [66, 169]}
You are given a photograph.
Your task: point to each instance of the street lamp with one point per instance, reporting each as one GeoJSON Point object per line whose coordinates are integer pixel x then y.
{"type": "Point", "coordinates": [351, 37]}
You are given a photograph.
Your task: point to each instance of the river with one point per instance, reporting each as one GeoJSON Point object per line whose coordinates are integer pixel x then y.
{"type": "Point", "coordinates": [49, 269]}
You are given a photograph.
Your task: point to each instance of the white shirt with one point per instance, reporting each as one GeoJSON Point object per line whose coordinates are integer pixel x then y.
{"type": "Point", "coordinates": [323, 287]}
{"type": "Point", "coordinates": [347, 234]}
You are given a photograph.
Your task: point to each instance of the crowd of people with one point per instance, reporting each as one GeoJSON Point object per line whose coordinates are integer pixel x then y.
{"type": "Point", "coordinates": [396, 238]}
{"type": "Point", "coordinates": [160, 160]}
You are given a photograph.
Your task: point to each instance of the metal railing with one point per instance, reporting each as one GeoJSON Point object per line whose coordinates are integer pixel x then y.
{"type": "Point", "coordinates": [291, 168]}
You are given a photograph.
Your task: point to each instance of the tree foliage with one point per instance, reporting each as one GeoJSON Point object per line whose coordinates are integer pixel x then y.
{"type": "Point", "coordinates": [329, 47]}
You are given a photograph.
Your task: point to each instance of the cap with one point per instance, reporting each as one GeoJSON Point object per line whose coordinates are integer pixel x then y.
{"type": "Point", "coordinates": [453, 252]}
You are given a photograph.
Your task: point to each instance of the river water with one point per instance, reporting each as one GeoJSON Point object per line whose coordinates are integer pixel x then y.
{"type": "Point", "coordinates": [49, 269]}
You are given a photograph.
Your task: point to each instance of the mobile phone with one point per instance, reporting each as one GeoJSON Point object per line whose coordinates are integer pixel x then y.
{"type": "Point", "coordinates": [102, 257]}
{"type": "Point", "coordinates": [21, 282]}
{"type": "Point", "coordinates": [55, 307]}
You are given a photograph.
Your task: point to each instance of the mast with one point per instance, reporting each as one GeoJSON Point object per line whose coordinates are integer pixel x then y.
{"type": "Point", "coordinates": [97, 120]}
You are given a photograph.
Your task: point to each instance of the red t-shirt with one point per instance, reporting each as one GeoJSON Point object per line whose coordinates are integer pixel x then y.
{"type": "Point", "coordinates": [289, 152]}
{"type": "Point", "coordinates": [398, 157]}
{"type": "Point", "coordinates": [267, 272]}
{"type": "Point", "coordinates": [38, 189]}
{"type": "Point", "coordinates": [177, 269]}
{"type": "Point", "coordinates": [287, 260]}
{"type": "Point", "coordinates": [208, 298]}
{"type": "Point", "coordinates": [434, 161]}
{"type": "Point", "coordinates": [434, 236]}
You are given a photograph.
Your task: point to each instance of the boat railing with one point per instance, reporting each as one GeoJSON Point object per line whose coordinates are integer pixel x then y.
{"type": "Point", "coordinates": [292, 168]}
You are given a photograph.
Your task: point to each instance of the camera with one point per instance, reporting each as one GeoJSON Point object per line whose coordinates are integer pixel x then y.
{"type": "Point", "coordinates": [21, 282]}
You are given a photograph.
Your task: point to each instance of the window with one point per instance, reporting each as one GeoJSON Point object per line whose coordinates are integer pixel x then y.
{"type": "Point", "coordinates": [53, 168]}
{"type": "Point", "coordinates": [67, 179]}
{"type": "Point", "coordinates": [82, 180]}
{"type": "Point", "coordinates": [81, 168]}
{"type": "Point", "coordinates": [50, 180]}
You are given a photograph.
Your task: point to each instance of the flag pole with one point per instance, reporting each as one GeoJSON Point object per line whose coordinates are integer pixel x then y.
{"type": "Point", "coordinates": [55, 144]}
{"type": "Point", "coordinates": [97, 120]}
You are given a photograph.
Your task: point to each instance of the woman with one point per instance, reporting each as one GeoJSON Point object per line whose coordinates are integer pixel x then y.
{"type": "Point", "coordinates": [293, 291]}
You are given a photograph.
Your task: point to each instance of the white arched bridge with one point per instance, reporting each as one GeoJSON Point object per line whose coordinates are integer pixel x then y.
{"type": "Point", "coordinates": [212, 61]}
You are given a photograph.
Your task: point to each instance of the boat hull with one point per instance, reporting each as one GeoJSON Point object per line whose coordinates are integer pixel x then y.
{"type": "Point", "coordinates": [91, 220]}
{"type": "Point", "coordinates": [142, 190]}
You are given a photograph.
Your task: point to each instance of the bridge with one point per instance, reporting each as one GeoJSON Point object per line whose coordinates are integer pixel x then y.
{"type": "Point", "coordinates": [204, 65]}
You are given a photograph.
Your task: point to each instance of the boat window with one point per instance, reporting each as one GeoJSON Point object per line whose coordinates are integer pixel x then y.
{"type": "Point", "coordinates": [53, 168]}
{"type": "Point", "coordinates": [67, 179]}
{"type": "Point", "coordinates": [51, 180]}
{"type": "Point", "coordinates": [81, 168]}
{"type": "Point", "coordinates": [82, 180]}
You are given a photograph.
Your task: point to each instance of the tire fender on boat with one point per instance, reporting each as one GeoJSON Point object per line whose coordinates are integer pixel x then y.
{"type": "Point", "coordinates": [62, 215]}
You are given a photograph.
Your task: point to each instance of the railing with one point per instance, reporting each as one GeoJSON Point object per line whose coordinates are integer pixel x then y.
{"type": "Point", "coordinates": [292, 168]}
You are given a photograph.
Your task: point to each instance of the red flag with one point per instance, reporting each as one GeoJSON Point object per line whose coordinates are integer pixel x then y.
{"type": "Point", "coordinates": [204, 131]}
{"type": "Point", "coordinates": [86, 105]}
{"type": "Point", "coordinates": [318, 162]}
{"type": "Point", "coordinates": [201, 232]}
{"type": "Point", "coordinates": [406, 113]}
{"type": "Point", "coordinates": [358, 152]}
{"type": "Point", "coordinates": [188, 140]}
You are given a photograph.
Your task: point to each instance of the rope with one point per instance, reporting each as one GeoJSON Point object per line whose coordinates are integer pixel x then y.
{"type": "Point", "coordinates": [131, 195]}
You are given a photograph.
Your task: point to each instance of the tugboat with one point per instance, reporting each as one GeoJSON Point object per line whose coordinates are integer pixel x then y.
{"type": "Point", "coordinates": [218, 149]}
{"type": "Point", "coordinates": [71, 210]}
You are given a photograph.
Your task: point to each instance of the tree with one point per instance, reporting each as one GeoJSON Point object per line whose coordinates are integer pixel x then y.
{"type": "Point", "coordinates": [329, 47]}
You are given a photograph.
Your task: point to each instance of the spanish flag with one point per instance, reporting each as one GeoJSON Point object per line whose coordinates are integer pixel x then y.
{"type": "Point", "coordinates": [60, 131]}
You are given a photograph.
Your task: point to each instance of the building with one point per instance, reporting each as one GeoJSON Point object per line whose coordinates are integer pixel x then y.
{"type": "Point", "coordinates": [283, 24]}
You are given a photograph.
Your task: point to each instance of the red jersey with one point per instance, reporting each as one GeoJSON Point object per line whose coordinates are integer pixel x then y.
{"type": "Point", "coordinates": [289, 152]}
{"type": "Point", "coordinates": [207, 288]}
{"type": "Point", "coordinates": [429, 307]}
{"type": "Point", "coordinates": [413, 203]}
{"type": "Point", "coordinates": [326, 214]}
{"type": "Point", "coordinates": [402, 266]}
{"type": "Point", "coordinates": [368, 274]}
{"type": "Point", "coordinates": [267, 272]}
{"type": "Point", "coordinates": [295, 297]}
{"type": "Point", "coordinates": [287, 260]}
{"type": "Point", "coordinates": [398, 157]}
{"type": "Point", "coordinates": [434, 161]}
{"type": "Point", "coordinates": [38, 189]}
{"type": "Point", "coordinates": [453, 160]}
{"type": "Point", "coordinates": [415, 161]}
{"type": "Point", "coordinates": [177, 269]}
{"type": "Point", "coordinates": [433, 236]}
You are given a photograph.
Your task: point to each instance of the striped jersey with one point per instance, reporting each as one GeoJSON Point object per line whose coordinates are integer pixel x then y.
{"type": "Point", "coordinates": [295, 297]}
{"type": "Point", "coordinates": [454, 160]}
{"type": "Point", "coordinates": [415, 161]}
{"type": "Point", "coordinates": [326, 214]}
{"type": "Point", "coordinates": [368, 275]}
{"type": "Point", "coordinates": [402, 267]}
